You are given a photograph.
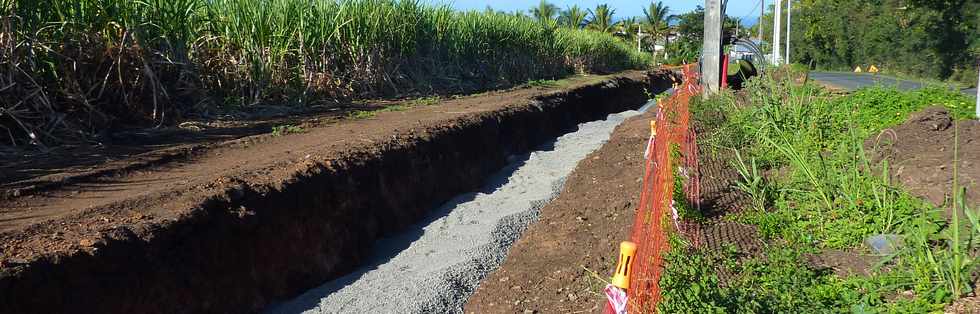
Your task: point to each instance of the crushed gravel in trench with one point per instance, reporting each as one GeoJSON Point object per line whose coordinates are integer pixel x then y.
{"type": "Point", "coordinates": [437, 264]}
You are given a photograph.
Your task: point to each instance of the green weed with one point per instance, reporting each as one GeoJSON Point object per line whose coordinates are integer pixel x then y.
{"type": "Point", "coordinates": [405, 105]}
{"type": "Point", "coordinates": [772, 284]}
{"type": "Point", "coordinates": [752, 182]}
{"type": "Point", "coordinates": [680, 202]}
{"type": "Point", "coordinates": [828, 195]}
{"type": "Point", "coordinates": [362, 114]}
{"type": "Point", "coordinates": [542, 83]}
{"type": "Point", "coordinates": [424, 101]}
{"type": "Point", "coordinates": [281, 130]}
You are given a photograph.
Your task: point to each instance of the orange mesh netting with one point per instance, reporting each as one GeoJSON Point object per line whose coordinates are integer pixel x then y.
{"type": "Point", "coordinates": [655, 217]}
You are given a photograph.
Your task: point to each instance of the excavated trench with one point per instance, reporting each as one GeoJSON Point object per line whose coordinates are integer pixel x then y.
{"type": "Point", "coordinates": [257, 246]}
{"type": "Point", "coordinates": [435, 265]}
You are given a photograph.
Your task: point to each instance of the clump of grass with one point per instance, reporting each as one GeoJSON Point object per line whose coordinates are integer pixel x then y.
{"type": "Point", "coordinates": [680, 202]}
{"type": "Point", "coordinates": [542, 83]}
{"type": "Point", "coordinates": [362, 114]}
{"type": "Point", "coordinates": [421, 101]}
{"type": "Point", "coordinates": [281, 130]}
{"type": "Point", "coordinates": [424, 101]}
{"type": "Point", "coordinates": [73, 67]}
{"type": "Point", "coordinates": [774, 284]}
{"type": "Point", "coordinates": [829, 196]}
{"type": "Point", "coordinates": [752, 182]}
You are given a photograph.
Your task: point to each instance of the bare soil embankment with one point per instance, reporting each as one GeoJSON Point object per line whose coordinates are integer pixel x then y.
{"type": "Point", "coordinates": [929, 154]}
{"type": "Point", "coordinates": [920, 153]}
{"type": "Point", "coordinates": [233, 226]}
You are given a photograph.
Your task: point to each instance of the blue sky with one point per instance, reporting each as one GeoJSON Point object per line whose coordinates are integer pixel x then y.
{"type": "Point", "coordinates": [624, 8]}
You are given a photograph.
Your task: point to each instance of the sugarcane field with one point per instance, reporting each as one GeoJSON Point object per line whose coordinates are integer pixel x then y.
{"type": "Point", "coordinates": [477, 156]}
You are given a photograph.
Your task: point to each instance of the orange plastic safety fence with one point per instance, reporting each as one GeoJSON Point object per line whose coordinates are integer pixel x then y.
{"type": "Point", "coordinates": [656, 215]}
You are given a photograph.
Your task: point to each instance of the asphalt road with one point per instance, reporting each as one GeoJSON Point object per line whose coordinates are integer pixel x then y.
{"type": "Point", "coordinates": [853, 81]}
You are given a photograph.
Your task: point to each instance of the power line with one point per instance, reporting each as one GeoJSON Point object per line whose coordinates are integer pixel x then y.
{"type": "Point", "coordinates": [758, 5]}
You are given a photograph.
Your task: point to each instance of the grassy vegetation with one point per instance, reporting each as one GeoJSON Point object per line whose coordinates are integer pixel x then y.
{"type": "Point", "coordinates": [405, 105]}
{"type": "Point", "coordinates": [679, 200]}
{"type": "Point", "coordinates": [542, 83]}
{"type": "Point", "coordinates": [823, 193]}
{"type": "Point", "coordinates": [72, 67]}
{"type": "Point", "coordinates": [281, 130]}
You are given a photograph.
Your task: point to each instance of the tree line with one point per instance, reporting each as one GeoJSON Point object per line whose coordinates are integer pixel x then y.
{"type": "Point", "coordinates": [938, 39]}
{"type": "Point", "coordinates": [654, 24]}
{"type": "Point", "coordinates": [671, 38]}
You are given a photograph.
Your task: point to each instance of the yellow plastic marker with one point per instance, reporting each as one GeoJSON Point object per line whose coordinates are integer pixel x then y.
{"type": "Point", "coordinates": [653, 128]}
{"type": "Point", "coordinates": [858, 69]}
{"type": "Point", "coordinates": [872, 69]}
{"type": "Point", "coordinates": [627, 253]}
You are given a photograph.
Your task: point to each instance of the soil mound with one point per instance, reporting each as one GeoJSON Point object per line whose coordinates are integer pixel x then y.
{"type": "Point", "coordinates": [920, 155]}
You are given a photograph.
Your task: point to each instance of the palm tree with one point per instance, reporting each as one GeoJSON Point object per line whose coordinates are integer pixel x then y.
{"type": "Point", "coordinates": [601, 19]}
{"type": "Point", "coordinates": [573, 17]}
{"type": "Point", "coordinates": [626, 28]}
{"type": "Point", "coordinates": [545, 12]}
{"type": "Point", "coordinates": [657, 20]}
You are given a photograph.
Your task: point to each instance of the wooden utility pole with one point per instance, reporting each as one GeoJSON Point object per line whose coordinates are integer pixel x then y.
{"type": "Point", "coordinates": [711, 61]}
